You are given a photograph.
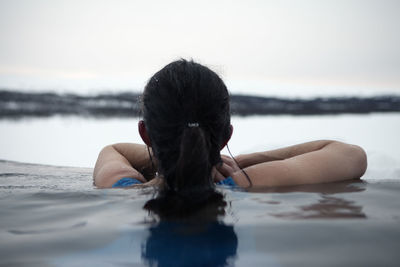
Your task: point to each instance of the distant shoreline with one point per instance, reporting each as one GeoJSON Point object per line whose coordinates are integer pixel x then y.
{"type": "Point", "coordinates": [17, 104]}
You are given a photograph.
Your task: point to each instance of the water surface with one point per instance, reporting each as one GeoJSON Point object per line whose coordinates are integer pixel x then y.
{"type": "Point", "coordinates": [53, 216]}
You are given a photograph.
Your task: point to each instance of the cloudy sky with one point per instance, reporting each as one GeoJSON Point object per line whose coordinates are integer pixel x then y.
{"type": "Point", "coordinates": [122, 43]}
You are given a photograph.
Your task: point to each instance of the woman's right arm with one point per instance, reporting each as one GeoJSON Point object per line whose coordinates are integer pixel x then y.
{"type": "Point", "coordinates": [121, 160]}
{"type": "Point", "coordinates": [307, 163]}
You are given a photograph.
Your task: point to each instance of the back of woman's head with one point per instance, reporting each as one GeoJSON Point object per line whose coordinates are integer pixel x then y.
{"type": "Point", "coordinates": [187, 118]}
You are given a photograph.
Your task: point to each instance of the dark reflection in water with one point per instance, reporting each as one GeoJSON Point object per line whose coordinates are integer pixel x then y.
{"type": "Point", "coordinates": [200, 239]}
{"type": "Point", "coordinates": [182, 244]}
{"type": "Point", "coordinates": [326, 208]}
{"type": "Point", "coordinates": [331, 202]}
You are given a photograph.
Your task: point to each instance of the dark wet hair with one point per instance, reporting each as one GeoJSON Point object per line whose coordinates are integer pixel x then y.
{"type": "Point", "coordinates": [187, 116]}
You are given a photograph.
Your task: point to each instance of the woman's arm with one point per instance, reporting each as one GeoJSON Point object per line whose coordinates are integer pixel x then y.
{"type": "Point", "coordinates": [312, 162]}
{"type": "Point", "coordinates": [122, 160]}
{"type": "Point", "coordinates": [247, 160]}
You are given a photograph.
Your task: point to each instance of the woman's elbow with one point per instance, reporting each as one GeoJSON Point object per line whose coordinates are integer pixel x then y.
{"type": "Point", "coordinates": [359, 158]}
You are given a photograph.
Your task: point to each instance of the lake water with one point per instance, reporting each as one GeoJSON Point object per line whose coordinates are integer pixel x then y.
{"type": "Point", "coordinates": [54, 216]}
{"type": "Point", "coordinates": [76, 141]}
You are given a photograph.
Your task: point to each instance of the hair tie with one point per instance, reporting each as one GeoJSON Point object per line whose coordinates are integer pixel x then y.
{"type": "Point", "coordinates": [193, 124]}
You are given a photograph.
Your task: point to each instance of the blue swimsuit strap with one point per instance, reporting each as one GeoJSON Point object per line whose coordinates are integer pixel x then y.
{"type": "Point", "coordinates": [126, 181]}
{"type": "Point", "coordinates": [227, 181]}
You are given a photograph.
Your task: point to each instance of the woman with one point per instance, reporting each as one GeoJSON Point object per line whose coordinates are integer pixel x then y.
{"type": "Point", "coordinates": [186, 123]}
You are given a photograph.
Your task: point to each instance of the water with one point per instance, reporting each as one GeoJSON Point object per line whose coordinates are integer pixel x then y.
{"type": "Point", "coordinates": [75, 141]}
{"type": "Point", "coordinates": [53, 216]}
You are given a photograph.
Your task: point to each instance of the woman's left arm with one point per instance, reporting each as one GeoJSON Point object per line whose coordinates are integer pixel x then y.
{"type": "Point", "coordinates": [121, 160]}
{"type": "Point", "coordinates": [334, 161]}
{"type": "Point", "coordinates": [308, 163]}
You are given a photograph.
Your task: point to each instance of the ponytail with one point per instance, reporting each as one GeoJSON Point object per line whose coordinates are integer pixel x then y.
{"type": "Point", "coordinates": [188, 185]}
{"type": "Point", "coordinates": [193, 169]}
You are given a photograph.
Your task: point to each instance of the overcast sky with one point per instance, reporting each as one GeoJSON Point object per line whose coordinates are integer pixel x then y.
{"type": "Point", "coordinates": [316, 42]}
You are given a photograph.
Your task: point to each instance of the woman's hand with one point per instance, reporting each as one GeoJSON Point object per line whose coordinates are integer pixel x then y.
{"type": "Point", "coordinates": [225, 169]}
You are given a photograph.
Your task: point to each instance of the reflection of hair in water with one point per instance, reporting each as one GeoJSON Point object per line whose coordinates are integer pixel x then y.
{"type": "Point", "coordinates": [189, 237]}
{"type": "Point", "coordinates": [170, 206]}
{"type": "Point", "coordinates": [179, 244]}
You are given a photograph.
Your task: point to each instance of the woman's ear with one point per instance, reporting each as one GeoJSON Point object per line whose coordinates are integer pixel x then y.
{"type": "Point", "coordinates": [143, 133]}
{"type": "Point", "coordinates": [229, 136]}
